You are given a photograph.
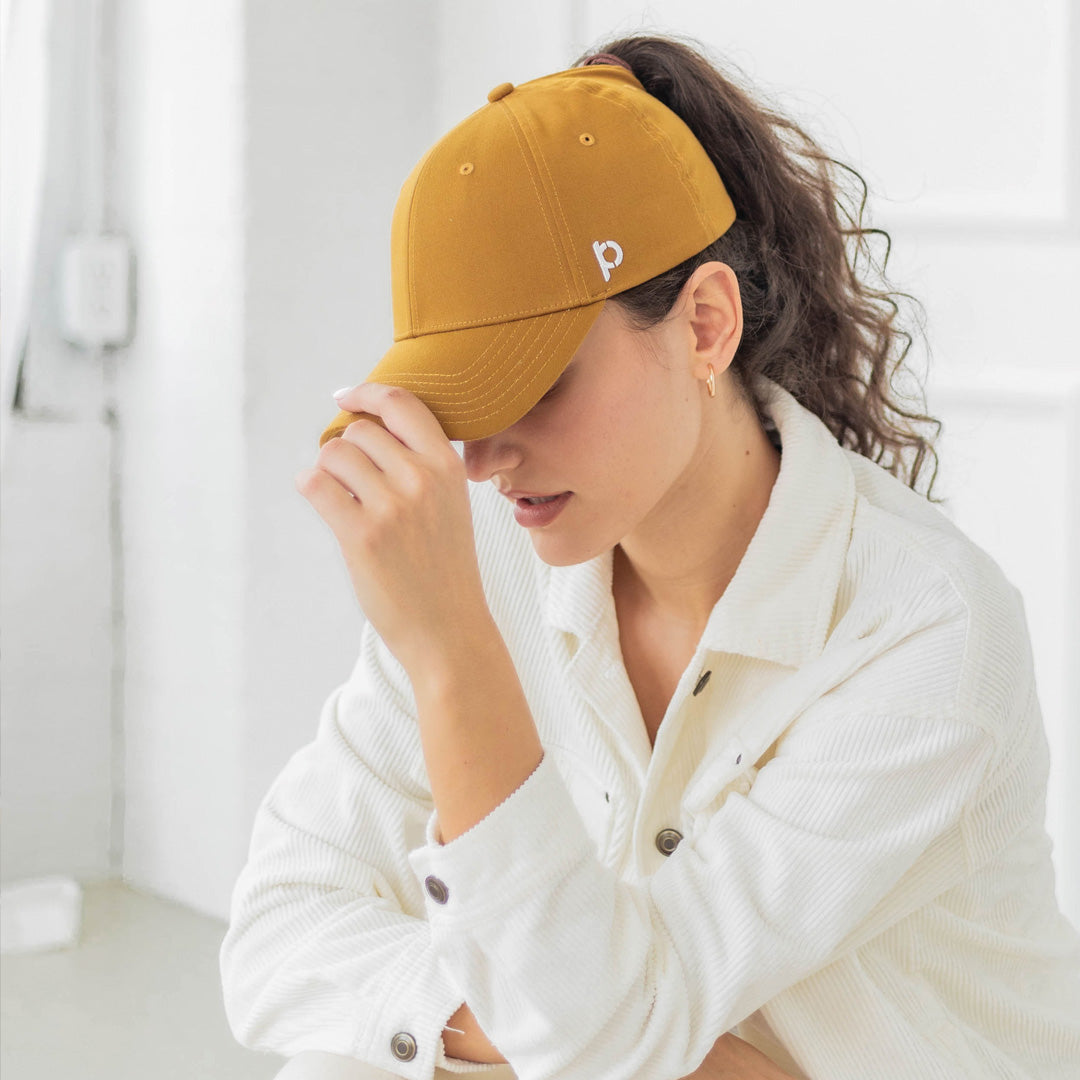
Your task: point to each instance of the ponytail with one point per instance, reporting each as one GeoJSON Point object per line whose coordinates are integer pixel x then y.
{"type": "Point", "coordinates": [810, 323]}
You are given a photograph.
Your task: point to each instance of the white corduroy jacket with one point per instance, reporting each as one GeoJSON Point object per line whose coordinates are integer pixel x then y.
{"type": "Point", "coordinates": [835, 850]}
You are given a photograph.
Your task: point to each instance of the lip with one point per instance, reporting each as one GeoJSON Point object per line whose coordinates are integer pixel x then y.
{"type": "Point", "coordinates": [531, 517]}
{"type": "Point", "coordinates": [515, 495]}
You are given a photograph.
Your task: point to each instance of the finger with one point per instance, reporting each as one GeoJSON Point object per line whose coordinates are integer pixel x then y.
{"type": "Point", "coordinates": [403, 413]}
{"type": "Point", "coordinates": [384, 449]}
{"type": "Point", "coordinates": [334, 504]}
{"type": "Point", "coordinates": [336, 428]}
{"type": "Point", "coordinates": [347, 461]}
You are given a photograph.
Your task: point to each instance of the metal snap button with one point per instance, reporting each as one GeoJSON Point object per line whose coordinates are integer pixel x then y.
{"type": "Point", "coordinates": [436, 889]}
{"type": "Point", "coordinates": [500, 91]}
{"type": "Point", "coordinates": [403, 1046]}
{"type": "Point", "coordinates": [667, 840]}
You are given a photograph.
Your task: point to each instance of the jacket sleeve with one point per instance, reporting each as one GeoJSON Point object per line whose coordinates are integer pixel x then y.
{"type": "Point", "coordinates": [577, 974]}
{"type": "Point", "coordinates": [328, 946]}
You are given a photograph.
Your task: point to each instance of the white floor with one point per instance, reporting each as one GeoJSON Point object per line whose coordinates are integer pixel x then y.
{"type": "Point", "coordinates": [139, 997]}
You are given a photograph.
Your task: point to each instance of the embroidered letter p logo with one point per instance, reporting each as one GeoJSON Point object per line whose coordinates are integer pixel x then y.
{"type": "Point", "coordinates": [605, 265]}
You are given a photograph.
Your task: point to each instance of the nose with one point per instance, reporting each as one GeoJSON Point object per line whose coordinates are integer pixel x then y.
{"type": "Point", "coordinates": [485, 457]}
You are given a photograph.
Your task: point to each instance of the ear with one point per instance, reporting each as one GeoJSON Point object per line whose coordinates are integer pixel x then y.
{"type": "Point", "coordinates": [713, 307]}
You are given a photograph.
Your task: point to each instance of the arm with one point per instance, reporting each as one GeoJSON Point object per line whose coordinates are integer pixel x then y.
{"type": "Point", "coordinates": [731, 1058]}
{"type": "Point", "coordinates": [480, 742]}
{"type": "Point", "coordinates": [328, 946]}
{"type": "Point", "coordinates": [640, 974]}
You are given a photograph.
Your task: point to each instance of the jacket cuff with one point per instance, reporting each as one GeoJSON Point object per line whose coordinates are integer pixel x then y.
{"type": "Point", "coordinates": [405, 1037]}
{"type": "Point", "coordinates": [521, 849]}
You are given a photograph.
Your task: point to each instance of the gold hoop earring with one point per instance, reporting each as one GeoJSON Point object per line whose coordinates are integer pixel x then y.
{"type": "Point", "coordinates": [710, 382]}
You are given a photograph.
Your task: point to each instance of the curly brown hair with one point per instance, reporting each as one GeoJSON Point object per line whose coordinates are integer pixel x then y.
{"type": "Point", "coordinates": [810, 322]}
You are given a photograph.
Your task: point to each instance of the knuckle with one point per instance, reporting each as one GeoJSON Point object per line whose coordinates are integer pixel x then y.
{"type": "Point", "coordinates": [390, 514]}
{"type": "Point", "coordinates": [308, 480]}
{"type": "Point", "coordinates": [414, 482]}
{"type": "Point", "coordinates": [455, 465]}
{"type": "Point", "coordinates": [327, 452]}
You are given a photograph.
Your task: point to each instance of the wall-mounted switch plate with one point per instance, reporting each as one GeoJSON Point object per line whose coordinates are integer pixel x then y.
{"type": "Point", "coordinates": [95, 290]}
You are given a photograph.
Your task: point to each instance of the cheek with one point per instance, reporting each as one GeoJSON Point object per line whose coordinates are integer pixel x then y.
{"type": "Point", "coordinates": [626, 455]}
{"type": "Point", "coordinates": [614, 438]}
{"type": "Point", "coordinates": [632, 422]}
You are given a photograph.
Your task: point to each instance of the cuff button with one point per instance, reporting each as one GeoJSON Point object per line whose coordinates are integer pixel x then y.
{"type": "Point", "coordinates": [403, 1046]}
{"type": "Point", "coordinates": [436, 889]}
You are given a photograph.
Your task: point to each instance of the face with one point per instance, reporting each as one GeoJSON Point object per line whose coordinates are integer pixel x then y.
{"type": "Point", "coordinates": [620, 430]}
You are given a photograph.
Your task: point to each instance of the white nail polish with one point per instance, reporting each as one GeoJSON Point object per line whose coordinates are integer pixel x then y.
{"type": "Point", "coordinates": [343, 390]}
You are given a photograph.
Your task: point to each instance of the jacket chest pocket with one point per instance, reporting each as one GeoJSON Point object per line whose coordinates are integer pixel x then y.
{"type": "Point", "coordinates": [589, 793]}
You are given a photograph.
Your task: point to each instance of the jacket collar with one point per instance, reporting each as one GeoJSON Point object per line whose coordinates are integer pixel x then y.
{"type": "Point", "coordinates": [779, 604]}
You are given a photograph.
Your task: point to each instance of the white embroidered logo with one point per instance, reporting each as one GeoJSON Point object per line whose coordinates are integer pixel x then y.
{"type": "Point", "coordinates": [605, 265]}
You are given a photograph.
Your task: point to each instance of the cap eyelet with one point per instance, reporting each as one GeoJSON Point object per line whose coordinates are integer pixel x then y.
{"type": "Point", "coordinates": [586, 139]}
{"type": "Point", "coordinates": [466, 168]}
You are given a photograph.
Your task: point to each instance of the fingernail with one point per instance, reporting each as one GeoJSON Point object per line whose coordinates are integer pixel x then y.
{"type": "Point", "coordinates": [343, 390]}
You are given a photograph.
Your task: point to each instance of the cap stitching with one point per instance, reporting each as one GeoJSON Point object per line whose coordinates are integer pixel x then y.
{"type": "Point", "coordinates": [419, 169]}
{"type": "Point", "coordinates": [471, 371]}
{"type": "Point", "coordinates": [511, 316]}
{"type": "Point", "coordinates": [515, 126]}
{"type": "Point", "coordinates": [575, 265]}
{"type": "Point", "coordinates": [463, 377]}
{"type": "Point", "coordinates": [668, 151]}
{"type": "Point", "coordinates": [534, 348]}
{"type": "Point", "coordinates": [452, 415]}
{"type": "Point", "coordinates": [414, 320]}
{"type": "Point", "coordinates": [509, 401]}
{"type": "Point", "coordinates": [662, 140]}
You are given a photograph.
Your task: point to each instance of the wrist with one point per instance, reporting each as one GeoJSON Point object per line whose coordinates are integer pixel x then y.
{"type": "Point", "coordinates": [477, 641]}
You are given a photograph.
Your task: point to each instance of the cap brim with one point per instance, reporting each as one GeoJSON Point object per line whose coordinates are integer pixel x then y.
{"type": "Point", "coordinates": [480, 380]}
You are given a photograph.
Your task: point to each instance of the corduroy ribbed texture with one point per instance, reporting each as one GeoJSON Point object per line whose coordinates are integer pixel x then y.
{"type": "Point", "coordinates": [862, 883]}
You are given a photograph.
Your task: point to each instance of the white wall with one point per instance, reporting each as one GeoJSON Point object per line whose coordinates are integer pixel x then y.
{"type": "Point", "coordinates": [340, 105]}
{"type": "Point", "coordinates": [180, 195]}
{"type": "Point", "coordinates": [258, 153]}
{"type": "Point", "coordinates": [260, 147]}
{"type": "Point", "coordinates": [57, 656]}
{"type": "Point", "coordinates": [277, 175]}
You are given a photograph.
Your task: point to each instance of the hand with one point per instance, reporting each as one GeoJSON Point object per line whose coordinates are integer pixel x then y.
{"type": "Point", "coordinates": [732, 1058]}
{"type": "Point", "coordinates": [397, 500]}
{"type": "Point", "coordinates": [473, 1045]}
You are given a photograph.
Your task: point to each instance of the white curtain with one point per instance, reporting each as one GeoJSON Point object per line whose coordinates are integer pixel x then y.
{"type": "Point", "coordinates": [24, 105]}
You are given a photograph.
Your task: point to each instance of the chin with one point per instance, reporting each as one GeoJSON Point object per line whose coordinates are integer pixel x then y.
{"type": "Point", "coordinates": [564, 550]}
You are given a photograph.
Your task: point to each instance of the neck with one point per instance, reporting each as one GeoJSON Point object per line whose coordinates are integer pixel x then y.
{"type": "Point", "coordinates": [676, 565]}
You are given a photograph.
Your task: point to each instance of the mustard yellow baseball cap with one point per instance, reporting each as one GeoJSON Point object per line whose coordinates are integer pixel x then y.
{"type": "Point", "coordinates": [513, 229]}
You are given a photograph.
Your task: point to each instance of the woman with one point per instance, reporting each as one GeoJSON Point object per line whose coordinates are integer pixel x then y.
{"type": "Point", "coordinates": [689, 740]}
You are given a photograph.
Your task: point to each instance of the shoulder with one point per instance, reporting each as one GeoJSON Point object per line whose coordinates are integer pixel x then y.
{"type": "Point", "coordinates": [923, 589]}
